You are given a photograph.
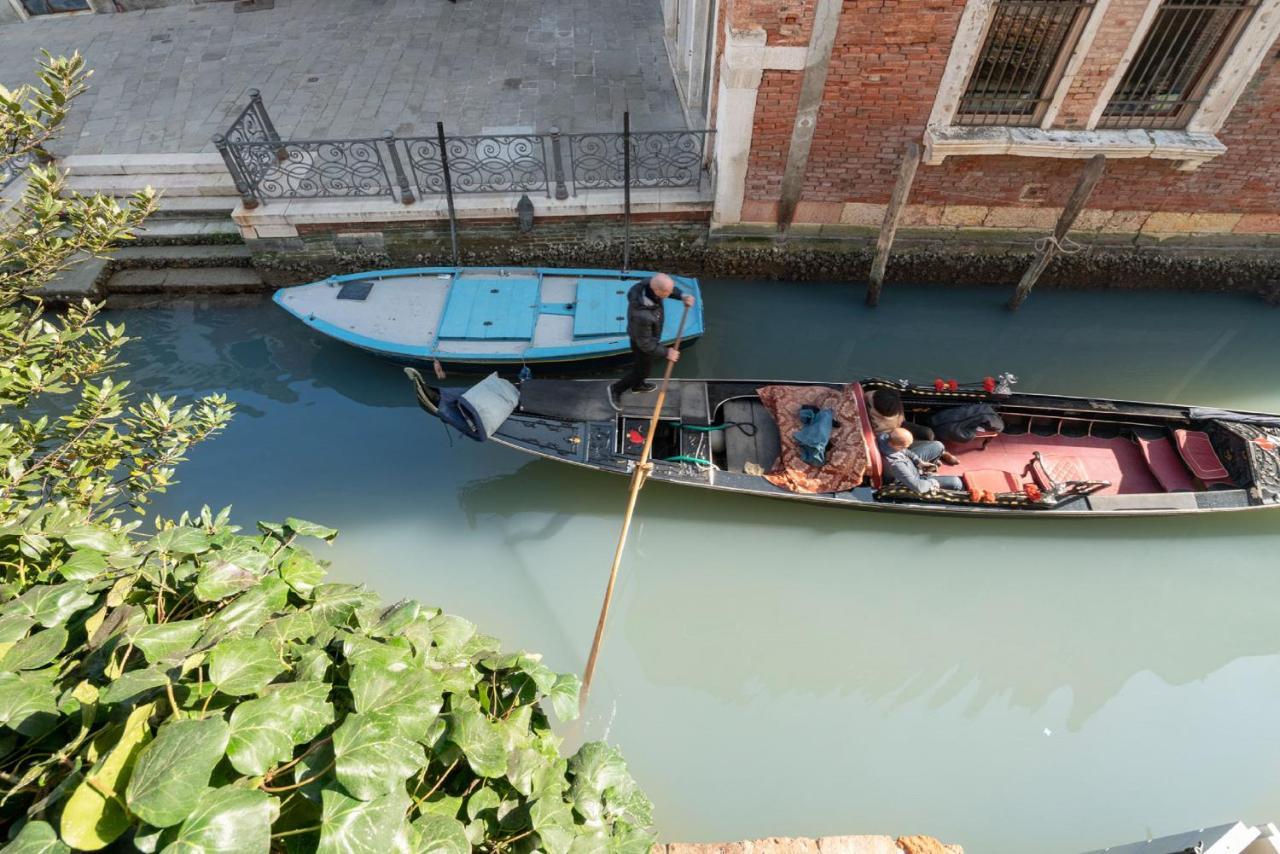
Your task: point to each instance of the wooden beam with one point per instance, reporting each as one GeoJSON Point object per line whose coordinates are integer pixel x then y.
{"type": "Point", "coordinates": [892, 216]}
{"type": "Point", "coordinates": [1088, 180]}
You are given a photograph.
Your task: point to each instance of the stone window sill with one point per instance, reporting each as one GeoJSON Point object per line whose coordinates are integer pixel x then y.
{"type": "Point", "coordinates": [1190, 149]}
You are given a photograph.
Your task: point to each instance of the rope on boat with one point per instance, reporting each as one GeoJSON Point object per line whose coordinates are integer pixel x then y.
{"type": "Point", "coordinates": [1066, 246]}
{"type": "Point", "coordinates": [684, 458]}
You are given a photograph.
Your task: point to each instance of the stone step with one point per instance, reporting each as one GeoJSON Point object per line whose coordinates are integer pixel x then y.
{"type": "Point", "coordinates": [143, 164]}
{"type": "Point", "coordinates": [178, 281]}
{"type": "Point", "coordinates": [135, 257]}
{"type": "Point", "coordinates": [196, 207]}
{"type": "Point", "coordinates": [170, 185]}
{"type": "Point", "coordinates": [83, 281]}
{"type": "Point", "coordinates": [160, 230]}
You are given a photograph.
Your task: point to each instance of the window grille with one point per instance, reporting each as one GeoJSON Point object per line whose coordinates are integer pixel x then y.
{"type": "Point", "coordinates": [1027, 45]}
{"type": "Point", "coordinates": [1178, 59]}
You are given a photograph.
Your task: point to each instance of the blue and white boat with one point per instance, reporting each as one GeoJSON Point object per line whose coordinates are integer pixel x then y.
{"type": "Point", "coordinates": [483, 316]}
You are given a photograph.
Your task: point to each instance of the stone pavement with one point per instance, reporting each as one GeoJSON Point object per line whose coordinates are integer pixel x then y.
{"type": "Point", "coordinates": [167, 79]}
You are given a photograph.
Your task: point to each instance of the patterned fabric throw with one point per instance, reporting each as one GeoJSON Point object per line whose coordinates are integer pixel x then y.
{"type": "Point", "coordinates": [846, 458]}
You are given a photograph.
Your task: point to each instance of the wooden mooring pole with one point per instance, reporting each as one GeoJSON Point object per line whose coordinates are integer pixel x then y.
{"type": "Point", "coordinates": [892, 216]}
{"type": "Point", "coordinates": [638, 476]}
{"type": "Point", "coordinates": [1050, 246]}
{"type": "Point", "coordinates": [448, 191]}
{"type": "Point", "coordinates": [626, 190]}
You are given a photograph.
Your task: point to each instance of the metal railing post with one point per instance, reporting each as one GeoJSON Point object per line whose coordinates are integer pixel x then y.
{"type": "Point", "coordinates": [448, 191]}
{"type": "Point", "coordinates": [406, 194]}
{"type": "Point", "coordinates": [255, 98]}
{"type": "Point", "coordinates": [243, 187]}
{"type": "Point", "coordinates": [557, 165]}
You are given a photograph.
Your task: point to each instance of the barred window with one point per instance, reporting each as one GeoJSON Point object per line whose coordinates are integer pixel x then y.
{"type": "Point", "coordinates": [1027, 45]}
{"type": "Point", "coordinates": [1177, 61]}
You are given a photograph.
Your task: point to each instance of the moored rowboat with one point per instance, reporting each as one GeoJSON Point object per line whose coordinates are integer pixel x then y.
{"type": "Point", "coordinates": [481, 316]}
{"type": "Point", "coordinates": [1056, 456]}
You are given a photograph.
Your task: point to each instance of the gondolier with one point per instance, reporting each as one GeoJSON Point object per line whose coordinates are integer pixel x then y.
{"type": "Point", "coordinates": [645, 318]}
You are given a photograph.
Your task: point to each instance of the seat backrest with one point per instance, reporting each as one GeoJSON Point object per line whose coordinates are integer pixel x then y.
{"type": "Point", "coordinates": [1198, 453]}
{"type": "Point", "coordinates": [875, 466]}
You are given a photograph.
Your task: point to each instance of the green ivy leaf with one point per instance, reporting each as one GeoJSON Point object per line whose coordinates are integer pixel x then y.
{"type": "Point", "coordinates": [180, 540]}
{"type": "Point", "coordinates": [564, 696]}
{"type": "Point", "coordinates": [301, 572]}
{"type": "Point", "coordinates": [351, 826]}
{"type": "Point", "coordinates": [132, 684]}
{"type": "Point", "coordinates": [24, 697]}
{"type": "Point", "coordinates": [91, 820]}
{"type": "Point", "coordinates": [157, 640]}
{"type": "Point", "coordinates": [303, 528]}
{"type": "Point", "coordinates": [373, 757]}
{"type": "Point", "coordinates": [438, 834]}
{"type": "Point", "coordinates": [264, 731]}
{"type": "Point", "coordinates": [451, 635]}
{"type": "Point", "coordinates": [35, 651]}
{"type": "Point", "coordinates": [228, 821]}
{"type": "Point", "coordinates": [479, 739]}
{"type": "Point", "coordinates": [335, 603]}
{"type": "Point", "coordinates": [553, 820]}
{"type": "Point", "coordinates": [249, 611]}
{"type": "Point", "coordinates": [14, 627]}
{"type": "Point", "coordinates": [51, 604]}
{"type": "Point", "coordinates": [83, 565]}
{"type": "Point", "coordinates": [173, 770]}
{"type": "Point", "coordinates": [243, 666]}
{"type": "Point", "coordinates": [36, 837]}
{"type": "Point", "coordinates": [221, 579]}
{"type": "Point", "coordinates": [95, 538]}
{"type": "Point", "coordinates": [595, 767]}
{"type": "Point", "coordinates": [409, 694]}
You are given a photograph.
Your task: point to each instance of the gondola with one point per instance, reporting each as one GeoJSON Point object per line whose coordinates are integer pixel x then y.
{"type": "Point", "coordinates": [481, 317]}
{"type": "Point", "coordinates": [1055, 456]}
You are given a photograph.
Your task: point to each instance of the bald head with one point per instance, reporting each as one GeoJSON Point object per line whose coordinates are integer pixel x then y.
{"type": "Point", "coordinates": [662, 285]}
{"type": "Point", "coordinates": [900, 438]}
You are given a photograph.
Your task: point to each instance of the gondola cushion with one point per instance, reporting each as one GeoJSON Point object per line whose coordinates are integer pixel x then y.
{"type": "Point", "coordinates": [846, 460]}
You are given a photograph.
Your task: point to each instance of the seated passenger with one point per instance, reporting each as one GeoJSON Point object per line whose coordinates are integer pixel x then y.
{"type": "Point", "coordinates": [884, 409]}
{"type": "Point", "coordinates": [904, 466]}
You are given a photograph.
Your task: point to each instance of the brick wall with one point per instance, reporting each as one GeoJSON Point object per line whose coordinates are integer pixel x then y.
{"type": "Point", "coordinates": [1119, 23]}
{"type": "Point", "coordinates": [787, 22]}
{"type": "Point", "coordinates": [886, 67]}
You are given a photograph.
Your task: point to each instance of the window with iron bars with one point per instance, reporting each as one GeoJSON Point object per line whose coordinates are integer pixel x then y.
{"type": "Point", "coordinates": [1027, 44]}
{"type": "Point", "coordinates": [1179, 57]}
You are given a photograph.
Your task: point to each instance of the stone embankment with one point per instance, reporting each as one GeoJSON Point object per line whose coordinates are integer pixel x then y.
{"type": "Point", "coordinates": [822, 845]}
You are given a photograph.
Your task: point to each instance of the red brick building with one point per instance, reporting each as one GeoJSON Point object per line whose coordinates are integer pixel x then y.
{"type": "Point", "coordinates": [816, 101]}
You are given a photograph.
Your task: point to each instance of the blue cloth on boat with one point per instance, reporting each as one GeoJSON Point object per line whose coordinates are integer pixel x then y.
{"type": "Point", "coordinates": [481, 410]}
{"type": "Point", "coordinates": [812, 438]}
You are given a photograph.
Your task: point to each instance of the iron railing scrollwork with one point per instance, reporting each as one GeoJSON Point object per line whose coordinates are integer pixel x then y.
{"type": "Point", "coordinates": [266, 167]}
{"type": "Point", "coordinates": [13, 166]}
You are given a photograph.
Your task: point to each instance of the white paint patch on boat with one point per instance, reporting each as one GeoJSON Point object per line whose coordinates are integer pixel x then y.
{"type": "Point", "coordinates": [401, 310]}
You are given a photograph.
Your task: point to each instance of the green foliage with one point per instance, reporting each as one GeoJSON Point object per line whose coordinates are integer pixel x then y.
{"type": "Point", "coordinates": [200, 689]}
{"type": "Point", "coordinates": [321, 717]}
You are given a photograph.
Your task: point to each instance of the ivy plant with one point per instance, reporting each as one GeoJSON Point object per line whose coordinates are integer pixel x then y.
{"type": "Point", "coordinates": [194, 688]}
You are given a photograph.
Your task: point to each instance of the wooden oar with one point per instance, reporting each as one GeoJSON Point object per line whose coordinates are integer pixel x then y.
{"type": "Point", "coordinates": [638, 476]}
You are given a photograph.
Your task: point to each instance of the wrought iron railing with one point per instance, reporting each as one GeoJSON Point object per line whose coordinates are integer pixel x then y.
{"type": "Point", "coordinates": [266, 167]}
{"type": "Point", "coordinates": [12, 167]}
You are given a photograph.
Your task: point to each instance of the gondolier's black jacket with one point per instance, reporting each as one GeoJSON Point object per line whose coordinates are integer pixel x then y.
{"type": "Point", "coordinates": [645, 318]}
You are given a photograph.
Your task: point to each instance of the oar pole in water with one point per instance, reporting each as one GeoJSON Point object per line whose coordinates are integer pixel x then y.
{"type": "Point", "coordinates": [637, 480]}
{"type": "Point", "coordinates": [626, 191]}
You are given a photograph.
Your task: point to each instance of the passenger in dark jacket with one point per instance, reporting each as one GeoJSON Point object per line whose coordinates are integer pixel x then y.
{"type": "Point", "coordinates": [645, 317]}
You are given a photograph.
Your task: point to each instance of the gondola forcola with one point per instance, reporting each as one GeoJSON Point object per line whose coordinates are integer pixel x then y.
{"type": "Point", "coordinates": [474, 317]}
{"type": "Point", "coordinates": [1056, 456]}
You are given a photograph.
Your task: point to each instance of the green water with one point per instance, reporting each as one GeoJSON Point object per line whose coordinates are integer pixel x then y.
{"type": "Point", "coordinates": [1014, 686]}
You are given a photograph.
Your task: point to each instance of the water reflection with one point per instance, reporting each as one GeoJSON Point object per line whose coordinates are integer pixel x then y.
{"type": "Point", "coordinates": [1013, 685]}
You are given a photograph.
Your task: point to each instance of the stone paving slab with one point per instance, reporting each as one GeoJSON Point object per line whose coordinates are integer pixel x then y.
{"type": "Point", "coordinates": [167, 79]}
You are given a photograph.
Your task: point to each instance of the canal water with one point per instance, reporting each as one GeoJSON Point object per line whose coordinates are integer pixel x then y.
{"type": "Point", "coordinates": [1014, 686]}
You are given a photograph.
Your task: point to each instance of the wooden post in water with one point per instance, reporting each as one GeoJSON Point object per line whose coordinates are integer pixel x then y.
{"type": "Point", "coordinates": [626, 190]}
{"type": "Point", "coordinates": [638, 476]}
{"type": "Point", "coordinates": [1088, 180]}
{"type": "Point", "coordinates": [448, 191]}
{"type": "Point", "coordinates": [892, 216]}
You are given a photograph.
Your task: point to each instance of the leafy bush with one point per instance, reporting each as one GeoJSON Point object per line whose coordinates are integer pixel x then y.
{"type": "Point", "coordinates": [201, 685]}
{"type": "Point", "coordinates": [198, 689]}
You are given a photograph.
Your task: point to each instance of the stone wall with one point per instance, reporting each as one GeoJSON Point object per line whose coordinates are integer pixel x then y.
{"type": "Point", "coordinates": [824, 845]}
{"type": "Point", "coordinates": [935, 254]}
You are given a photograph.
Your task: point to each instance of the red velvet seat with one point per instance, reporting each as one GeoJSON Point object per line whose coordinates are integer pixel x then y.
{"type": "Point", "coordinates": [1198, 453]}
{"type": "Point", "coordinates": [875, 466]}
{"type": "Point", "coordinates": [992, 480]}
{"type": "Point", "coordinates": [1166, 465]}
{"type": "Point", "coordinates": [1054, 468]}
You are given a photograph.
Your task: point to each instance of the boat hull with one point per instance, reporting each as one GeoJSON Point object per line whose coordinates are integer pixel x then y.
{"type": "Point", "coordinates": [545, 426]}
{"type": "Point", "coordinates": [480, 319]}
